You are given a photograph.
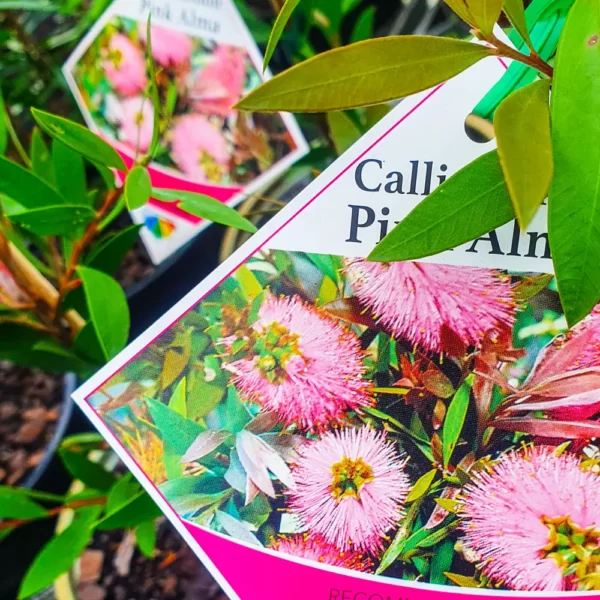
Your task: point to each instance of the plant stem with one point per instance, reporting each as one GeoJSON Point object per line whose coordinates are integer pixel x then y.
{"type": "Point", "coordinates": [15, 140]}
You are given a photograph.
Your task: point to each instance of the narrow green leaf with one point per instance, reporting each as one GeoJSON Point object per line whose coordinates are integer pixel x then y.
{"type": "Point", "coordinates": [139, 509]}
{"type": "Point", "coordinates": [70, 173]}
{"type": "Point", "coordinates": [454, 421]}
{"type": "Point", "coordinates": [138, 187]}
{"type": "Point", "coordinates": [32, 5]}
{"type": "Point", "coordinates": [59, 219]}
{"type": "Point", "coordinates": [41, 159]}
{"type": "Point", "coordinates": [24, 187]}
{"type": "Point", "coordinates": [107, 306]}
{"type": "Point", "coordinates": [145, 537]}
{"type": "Point", "coordinates": [108, 256]}
{"type": "Point", "coordinates": [15, 505]}
{"type": "Point", "coordinates": [79, 138]}
{"type": "Point", "coordinates": [515, 11]}
{"type": "Point", "coordinates": [441, 562]}
{"type": "Point", "coordinates": [90, 473]}
{"type": "Point", "coordinates": [205, 207]}
{"type": "Point", "coordinates": [469, 204]}
{"type": "Point", "coordinates": [574, 198]}
{"type": "Point", "coordinates": [462, 10]}
{"type": "Point", "coordinates": [421, 486]}
{"type": "Point", "coordinates": [342, 130]}
{"type": "Point", "coordinates": [3, 128]}
{"type": "Point", "coordinates": [363, 30]}
{"type": "Point", "coordinates": [369, 72]}
{"type": "Point", "coordinates": [522, 125]}
{"type": "Point", "coordinates": [56, 557]}
{"type": "Point", "coordinates": [282, 18]}
{"type": "Point", "coordinates": [485, 13]}
{"type": "Point", "coordinates": [249, 285]}
{"type": "Point", "coordinates": [462, 580]}
{"type": "Point", "coordinates": [121, 493]}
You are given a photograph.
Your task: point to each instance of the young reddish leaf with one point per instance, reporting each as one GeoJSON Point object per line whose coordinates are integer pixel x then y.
{"type": "Point", "coordinates": [369, 72]}
{"type": "Point", "coordinates": [574, 199]}
{"type": "Point", "coordinates": [550, 429]}
{"type": "Point", "coordinates": [439, 222]}
{"type": "Point", "coordinates": [522, 125]}
{"type": "Point", "coordinates": [342, 130]}
{"type": "Point", "coordinates": [567, 384]}
{"type": "Point", "coordinates": [578, 406]}
{"type": "Point", "coordinates": [515, 12]}
{"type": "Point", "coordinates": [282, 18]}
{"type": "Point", "coordinates": [436, 383]}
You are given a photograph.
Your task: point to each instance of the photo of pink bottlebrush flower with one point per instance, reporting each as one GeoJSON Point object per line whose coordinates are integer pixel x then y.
{"type": "Point", "coordinates": [350, 488]}
{"type": "Point", "coordinates": [415, 300]}
{"type": "Point", "coordinates": [136, 119]}
{"type": "Point", "coordinates": [304, 366]}
{"type": "Point", "coordinates": [533, 519]}
{"type": "Point", "coordinates": [203, 139]}
{"type": "Point", "coordinates": [317, 549]}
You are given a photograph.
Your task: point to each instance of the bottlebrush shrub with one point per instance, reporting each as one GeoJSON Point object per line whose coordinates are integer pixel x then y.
{"type": "Point", "coordinates": [546, 142]}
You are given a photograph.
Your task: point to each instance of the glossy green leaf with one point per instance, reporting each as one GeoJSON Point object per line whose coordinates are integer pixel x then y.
{"type": "Point", "coordinates": [363, 30]}
{"type": "Point", "coordinates": [70, 173]}
{"type": "Point", "coordinates": [3, 128]}
{"type": "Point", "coordinates": [205, 207]}
{"type": "Point", "coordinates": [32, 5]}
{"type": "Point", "coordinates": [90, 473]}
{"type": "Point", "coordinates": [107, 306]}
{"type": "Point", "coordinates": [56, 557]}
{"type": "Point", "coordinates": [422, 485]}
{"type": "Point", "coordinates": [515, 11]}
{"type": "Point", "coordinates": [138, 187]}
{"type": "Point", "coordinates": [485, 13]}
{"type": "Point", "coordinates": [454, 421]}
{"type": "Point", "coordinates": [145, 537]}
{"type": "Point", "coordinates": [41, 159]}
{"type": "Point", "coordinates": [522, 126]}
{"type": "Point", "coordinates": [139, 509]}
{"type": "Point", "coordinates": [108, 256]}
{"type": "Point", "coordinates": [121, 493]}
{"type": "Point", "coordinates": [282, 18]}
{"type": "Point", "coordinates": [342, 130]}
{"type": "Point", "coordinates": [470, 203]}
{"type": "Point", "coordinates": [460, 7]}
{"type": "Point", "coordinates": [24, 187]}
{"type": "Point", "coordinates": [15, 505]}
{"type": "Point", "coordinates": [369, 72]}
{"type": "Point", "coordinates": [441, 562]}
{"type": "Point", "coordinates": [574, 198]}
{"type": "Point", "coordinates": [60, 219]}
{"type": "Point", "coordinates": [79, 138]}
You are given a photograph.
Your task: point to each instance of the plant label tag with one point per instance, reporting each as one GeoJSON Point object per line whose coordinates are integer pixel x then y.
{"type": "Point", "coordinates": [206, 61]}
{"type": "Point", "coordinates": [319, 426]}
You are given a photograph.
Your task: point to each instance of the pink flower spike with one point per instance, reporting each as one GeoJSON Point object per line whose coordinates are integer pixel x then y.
{"type": "Point", "coordinates": [317, 549]}
{"type": "Point", "coordinates": [125, 66]}
{"type": "Point", "coordinates": [351, 486]}
{"type": "Point", "coordinates": [170, 48]}
{"type": "Point", "coordinates": [415, 300]}
{"type": "Point", "coordinates": [199, 149]}
{"type": "Point", "coordinates": [137, 122]}
{"type": "Point", "coordinates": [533, 519]}
{"type": "Point", "coordinates": [303, 365]}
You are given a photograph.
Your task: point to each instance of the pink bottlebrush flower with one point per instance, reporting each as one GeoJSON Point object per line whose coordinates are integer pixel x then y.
{"type": "Point", "coordinates": [199, 149]}
{"type": "Point", "coordinates": [415, 300]}
{"type": "Point", "coordinates": [221, 83]}
{"type": "Point", "coordinates": [350, 488]}
{"type": "Point", "coordinates": [533, 519]}
{"type": "Point", "coordinates": [304, 366]}
{"type": "Point", "coordinates": [136, 122]}
{"type": "Point", "coordinates": [316, 548]}
{"type": "Point", "coordinates": [125, 66]}
{"type": "Point", "coordinates": [170, 48]}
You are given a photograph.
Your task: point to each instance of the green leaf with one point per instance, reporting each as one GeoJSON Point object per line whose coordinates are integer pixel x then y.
{"type": "Point", "coordinates": [454, 421]}
{"type": "Point", "coordinates": [177, 401]}
{"type": "Point", "coordinates": [469, 204]}
{"type": "Point", "coordinates": [26, 188]}
{"type": "Point", "coordinates": [15, 505]}
{"type": "Point", "coordinates": [522, 125]}
{"type": "Point", "coordinates": [70, 173]}
{"type": "Point", "coordinates": [462, 10]}
{"type": "Point", "coordinates": [574, 198]}
{"type": "Point", "coordinates": [138, 187]}
{"type": "Point", "coordinates": [485, 13]}
{"type": "Point", "coordinates": [343, 131]}
{"type": "Point", "coordinates": [153, 94]}
{"type": "Point", "coordinates": [282, 18]}
{"type": "Point", "coordinates": [249, 285]}
{"type": "Point", "coordinates": [59, 219]}
{"type": "Point", "coordinates": [90, 473]}
{"type": "Point", "coordinates": [139, 509]}
{"type": "Point", "coordinates": [32, 5]}
{"type": "Point", "coordinates": [108, 256]}
{"type": "Point", "coordinates": [56, 557]}
{"type": "Point", "coordinates": [363, 30]}
{"type": "Point", "coordinates": [145, 537]}
{"type": "Point", "coordinates": [80, 139]}
{"type": "Point", "coordinates": [369, 72]}
{"type": "Point", "coordinates": [374, 114]}
{"type": "Point", "coordinates": [441, 562]}
{"type": "Point", "coordinates": [421, 486]}
{"type": "Point", "coordinates": [3, 128]}
{"type": "Point", "coordinates": [121, 493]}
{"type": "Point", "coordinates": [205, 207]}
{"type": "Point", "coordinates": [515, 11]}
{"type": "Point", "coordinates": [41, 159]}
{"type": "Point", "coordinates": [107, 306]}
